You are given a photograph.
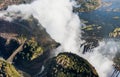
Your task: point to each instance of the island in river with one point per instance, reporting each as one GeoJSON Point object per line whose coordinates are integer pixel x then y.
{"type": "Point", "coordinates": [87, 5]}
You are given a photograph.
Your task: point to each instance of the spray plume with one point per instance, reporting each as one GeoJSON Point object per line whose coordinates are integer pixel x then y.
{"type": "Point", "coordinates": [64, 26]}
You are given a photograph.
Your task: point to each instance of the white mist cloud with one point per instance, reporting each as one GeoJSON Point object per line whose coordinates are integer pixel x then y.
{"type": "Point", "coordinates": [57, 17]}
{"type": "Point", "coordinates": [3, 16]}
{"type": "Point", "coordinates": [102, 56]}
{"type": "Point", "coordinates": [64, 26]}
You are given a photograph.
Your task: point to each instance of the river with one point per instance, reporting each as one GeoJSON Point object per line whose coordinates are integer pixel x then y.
{"type": "Point", "coordinates": [107, 16]}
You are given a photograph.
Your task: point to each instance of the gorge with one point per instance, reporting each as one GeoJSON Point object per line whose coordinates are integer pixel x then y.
{"type": "Point", "coordinates": [52, 28]}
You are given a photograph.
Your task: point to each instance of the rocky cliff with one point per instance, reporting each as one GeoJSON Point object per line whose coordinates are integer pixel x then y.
{"type": "Point", "coordinates": [36, 48]}
{"type": "Point", "coordinates": [68, 65]}
{"type": "Point", "coordinates": [26, 46]}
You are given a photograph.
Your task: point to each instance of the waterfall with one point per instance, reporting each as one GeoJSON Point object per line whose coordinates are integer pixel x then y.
{"type": "Point", "coordinates": [63, 25]}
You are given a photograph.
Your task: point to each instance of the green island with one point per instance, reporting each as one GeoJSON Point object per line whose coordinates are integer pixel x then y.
{"type": "Point", "coordinates": [87, 5]}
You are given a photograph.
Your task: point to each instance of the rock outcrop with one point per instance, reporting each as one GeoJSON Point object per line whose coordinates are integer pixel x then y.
{"type": "Point", "coordinates": [68, 65]}
{"type": "Point", "coordinates": [36, 48]}
{"type": "Point", "coordinates": [87, 5]}
{"type": "Point", "coordinates": [116, 65]}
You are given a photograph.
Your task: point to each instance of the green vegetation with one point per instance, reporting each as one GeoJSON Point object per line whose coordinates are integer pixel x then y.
{"type": "Point", "coordinates": [34, 48]}
{"type": "Point", "coordinates": [69, 65]}
{"type": "Point", "coordinates": [87, 5]}
{"type": "Point", "coordinates": [31, 50]}
{"type": "Point", "coordinates": [31, 53]}
{"type": "Point", "coordinates": [115, 33]}
{"type": "Point", "coordinates": [91, 27]}
{"type": "Point", "coordinates": [8, 70]}
{"type": "Point", "coordinates": [91, 31]}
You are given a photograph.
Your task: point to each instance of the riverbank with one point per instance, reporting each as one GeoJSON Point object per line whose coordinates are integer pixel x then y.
{"type": "Point", "coordinates": [86, 6]}
{"type": "Point", "coordinates": [100, 4]}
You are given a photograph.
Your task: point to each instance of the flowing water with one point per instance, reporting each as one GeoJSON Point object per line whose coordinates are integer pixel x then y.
{"type": "Point", "coordinates": [104, 16]}
{"type": "Point", "coordinates": [107, 16]}
{"type": "Point", "coordinates": [64, 26]}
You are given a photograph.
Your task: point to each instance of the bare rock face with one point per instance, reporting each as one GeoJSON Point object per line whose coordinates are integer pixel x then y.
{"type": "Point", "coordinates": [68, 65]}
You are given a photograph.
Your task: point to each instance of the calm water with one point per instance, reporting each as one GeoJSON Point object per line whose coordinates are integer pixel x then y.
{"type": "Point", "coordinates": [104, 16]}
